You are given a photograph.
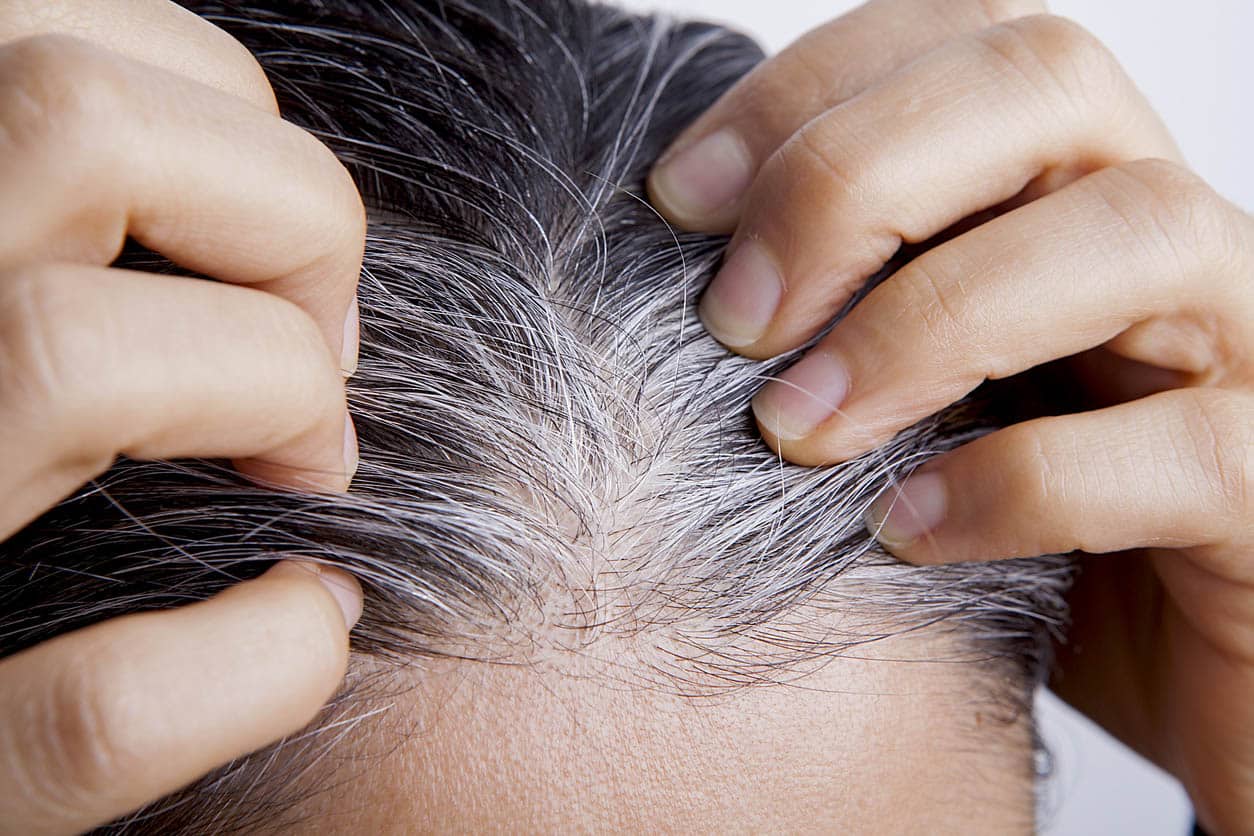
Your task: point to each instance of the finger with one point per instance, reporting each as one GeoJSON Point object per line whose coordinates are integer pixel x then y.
{"type": "Point", "coordinates": [94, 147]}
{"type": "Point", "coordinates": [156, 32]}
{"type": "Point", "coordinates": [963, 129]}
{"type": "Point", "coordinates": [95, 362]}
{"type": "Point", "coordinates": [1144, 246]}
{"type": "Point", "coordinates": [1173, 470]}
{"type": "Point", "coordinates": [700, 181]}
{"type": "Point", "coordinates": [96, 723]}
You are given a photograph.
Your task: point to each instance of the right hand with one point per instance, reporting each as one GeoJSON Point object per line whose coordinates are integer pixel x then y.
{"type": "Point", "coordinates": [152, 123]}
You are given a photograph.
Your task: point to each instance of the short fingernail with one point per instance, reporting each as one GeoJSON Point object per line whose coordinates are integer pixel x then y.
{"type": "Point", "coordinates": [904, 513]}
{"type": "Point", "coordinates": [351, 456]}
{"type": "Point", "coordinates": [740, 303]}
{"type": "Point", "coordinates": [794, 404]}
{"type": "Point", "coordinates": [352, 338]}
{"type": "Point", "coordinates": [342, 586]}
{"type": "Point", "coordinates": [704, 177]}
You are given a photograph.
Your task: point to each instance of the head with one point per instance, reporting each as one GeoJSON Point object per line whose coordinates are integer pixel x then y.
{"type": "Point", "coordinates": [595, 599]}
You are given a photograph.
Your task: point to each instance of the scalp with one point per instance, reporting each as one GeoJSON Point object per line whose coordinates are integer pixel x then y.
{"type": "Point", "coordinates": [557, 461]}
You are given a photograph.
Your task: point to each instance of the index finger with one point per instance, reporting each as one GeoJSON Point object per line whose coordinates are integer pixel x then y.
{"type": "Point", "coordinates": [97, 723]}
{"type": "Point", "coordinates": [701, 181]}
{"type": "Point", "coordinates": [95, 147]}
{"type": "Point", "coordinates": [156, 32]}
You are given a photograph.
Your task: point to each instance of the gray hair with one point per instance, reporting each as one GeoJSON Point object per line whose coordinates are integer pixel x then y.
{"type": "Point", "coordinates": [554, 452]}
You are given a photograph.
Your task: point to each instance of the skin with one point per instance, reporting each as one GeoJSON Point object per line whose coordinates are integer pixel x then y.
{"type": "Point", "coordinates": [132, 117]}
{"type": "Point", "coordinates": [896, 740]}
{"type": "Point", "coordinates": [135, 118]}
{"type": "Point", "coordinates": [1063, 225]}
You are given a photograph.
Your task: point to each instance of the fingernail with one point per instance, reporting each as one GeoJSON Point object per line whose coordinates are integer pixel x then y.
{"type": "Point", "coordinates": [704, 177]}
{"type": "Point", "coordinates": [794, 404]}
{"type": "Point", "coordinates": [741, 301]}
{"type": "Point", "coordinates": [342, 586]}
{"type": "Point", "coordinates": [351, 457]}
{"type": "Point", "coordinates": [903, 514]}
{"type": "Point", "coordinates": [352, 338]}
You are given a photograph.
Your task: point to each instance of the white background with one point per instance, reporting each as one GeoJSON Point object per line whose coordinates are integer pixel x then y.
{"type": "Point", "coordinates": [1195, 62]}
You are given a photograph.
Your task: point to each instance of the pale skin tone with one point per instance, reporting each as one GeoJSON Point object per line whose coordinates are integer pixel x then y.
{"type": "Point", "coordinates": [891, 125]}
{"type": "Point", "coordinates": [571, 743]}
{"type": "Point", "coordinates": [887, 126]}
{"type": "Point", "coordinates": [150, 122]}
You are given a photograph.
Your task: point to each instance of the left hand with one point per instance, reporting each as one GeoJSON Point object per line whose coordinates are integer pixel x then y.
{"type": "Point", "coordinates": [891, 126]}
{"type": "Point", "coordinates": [137, 119]}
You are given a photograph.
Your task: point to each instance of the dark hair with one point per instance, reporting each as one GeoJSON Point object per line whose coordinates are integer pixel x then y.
{"type": "Point", "coordinates": [554, 452]}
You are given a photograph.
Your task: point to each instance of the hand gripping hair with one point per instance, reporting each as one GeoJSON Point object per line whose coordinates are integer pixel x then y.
{"type": "Point", "coordinates": [557, 462]}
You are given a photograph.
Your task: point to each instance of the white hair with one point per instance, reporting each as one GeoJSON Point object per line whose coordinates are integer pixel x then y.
{"type": "Point", "coordinates": [553, 451]}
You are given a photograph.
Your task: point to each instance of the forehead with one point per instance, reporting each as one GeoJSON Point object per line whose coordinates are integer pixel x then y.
{"type": "Point", "coordinates": [869, 745]}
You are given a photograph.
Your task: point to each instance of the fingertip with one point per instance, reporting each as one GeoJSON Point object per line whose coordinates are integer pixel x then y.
{"type": "Point", "coordinates": [297, 616]}
{"type": "Point", "coordinates": [700, 185]}
{"type": "Point", "coordinates": [742, 299]}
{"type": "Point", "coordinates": [905, 517]}
{"type": "Point", "coordinates": [799, 401]}
{"type": "Point", "coordinates": [350, 344]}
{"type": "Point", "coordinates": [276, 475]}
{"type": "Point", "coordinates": [343, 587]}
{"type": "Point", "coordinates": [175, 693]}
{"type": "Point", "coordinates": [309, 464]}
{"type": "Point", "coordinates": [812, 451]}
{"type": "Point", "coordinates": [351, 453]}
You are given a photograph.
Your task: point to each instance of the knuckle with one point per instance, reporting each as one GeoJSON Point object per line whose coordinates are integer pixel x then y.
{"type": "Point", "coordinates": [1058, 41]}
{"type": "Point", "coordinates": [828, 170]}
{"type": "Point", "coordinates": [340, 214]}
{"type": "Point", "coordinates": [1172, 183]}
{"type": "Point", "coordinates": [1052, 487]}
{"type": "Point", "coordinates": [1029, 488]}
{"type": "Point", "coordinates": [48, 351]}
{"type": "Point", "coordinates": [33, 306]}
{"type": "Point", "coordinates": [1218, 434]}
{"type": "Point", "coordinates": [825, 151]}
{"type": "Point", "coordinates": [1057, 56]}
{"type": "Point", "coordinates": [998, 11]}
{"type": "Point", "coordinates": [82, 749]}
{"type": "Point", "coordinates": [940, 304]}
{"type": "Point", "coordinates": [252, 82]}
{"type": "Point", "coordinates": [1173, 203]}
{"type": "Point", "coordinates": [56, 91]}
{"type": "Point", "coordinates": [800, 80]}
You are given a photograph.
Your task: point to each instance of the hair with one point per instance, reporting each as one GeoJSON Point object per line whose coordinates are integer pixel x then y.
{"type": "Point", "coordinates": [554, 453]}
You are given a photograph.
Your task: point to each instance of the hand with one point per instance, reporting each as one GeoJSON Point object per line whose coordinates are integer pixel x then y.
{"type": "Point", "coordinates": [153, 124]}
{"type": "Point", "coordinates": [1083, 236]}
